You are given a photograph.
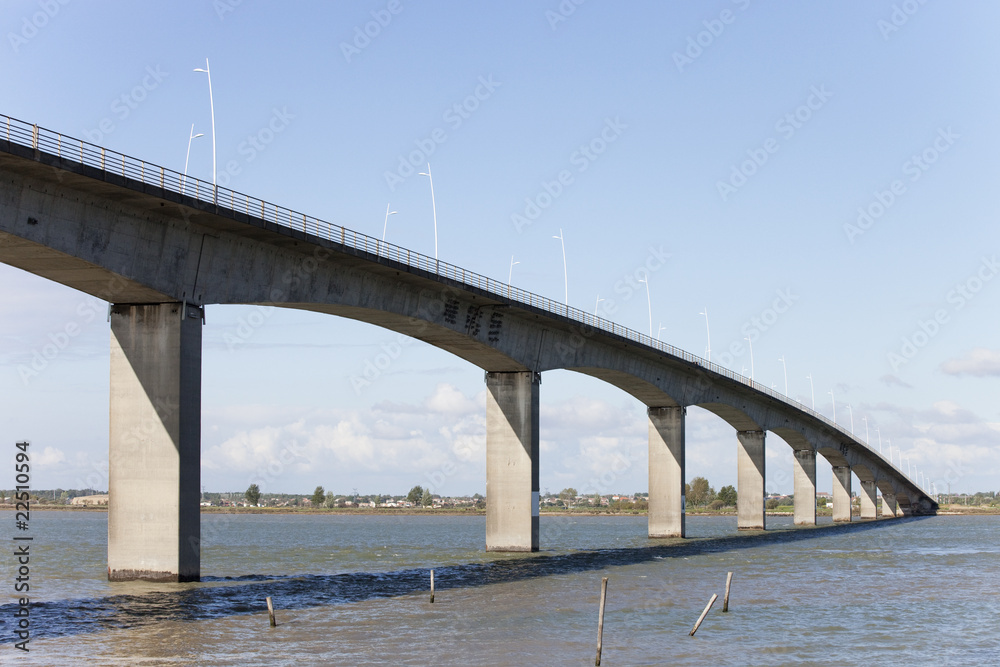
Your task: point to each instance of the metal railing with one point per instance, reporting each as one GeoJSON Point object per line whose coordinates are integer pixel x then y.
{"type": "Point", "coordinates": [112, 162]}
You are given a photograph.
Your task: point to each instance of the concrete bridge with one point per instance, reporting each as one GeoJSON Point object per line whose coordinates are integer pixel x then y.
{"type": "Point", "coordinates": [158, 246]}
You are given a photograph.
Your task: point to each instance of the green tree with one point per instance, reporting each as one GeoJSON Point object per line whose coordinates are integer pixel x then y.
{"type": "Point", "coordinates": [567, 494]}
{"type": "Point", "coordinates": [252, 494]}
{"type": "Point", "coordinates": [416, 494]}
{"type": "Point", "coordinates": [330, 500]}
{"type": "Point", "coordinates": [727, 495]}
{"type": "Point", "coordinates": [596, 502]}
{"type": "Point", "coordinates": [772, 504]}
{"type": "Point", "coordinates": [698, 493]}
{"type": "Point", "coordinates": [426, 499]}
{"type": "Point", "coordinates": [319, 495]}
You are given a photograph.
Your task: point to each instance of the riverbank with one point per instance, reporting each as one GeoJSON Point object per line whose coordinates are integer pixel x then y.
{"type": "Point", "coordinates": [946, 510]}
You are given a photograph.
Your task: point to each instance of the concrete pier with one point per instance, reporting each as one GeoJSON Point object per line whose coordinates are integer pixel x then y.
{"type": "Point", "coordinates": [841, 493]}
{"type": "Point", "coordinates": [750, 480]}
{"type": "Point", "coordinates": [889, 506]}
{"type": "Point", "coordinates": [869, 494]}
{"type": "Point", "coordinates": [154, 525]}
{"type": "Point", "coordinates": [805, 487]}
{"type": "Point", "coordinates": [512, 461]}
{"type": "Point", "coordinates": [666, 472]}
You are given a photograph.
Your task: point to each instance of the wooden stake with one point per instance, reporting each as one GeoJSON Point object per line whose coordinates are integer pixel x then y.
{"type": "Point", "coordinates": [270, 611]}
{"type": "Point", "coordinates": [432, 586]}
{"type": "Point", "coordinates": [600, 620]}
{"type": "Point", "coordinates": [725, 600]}
{"type": "Point", "coordinates": [703, 615]}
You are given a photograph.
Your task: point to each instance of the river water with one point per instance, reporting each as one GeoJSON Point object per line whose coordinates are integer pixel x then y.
{"type": "Point", "coordinates": [353, 590]}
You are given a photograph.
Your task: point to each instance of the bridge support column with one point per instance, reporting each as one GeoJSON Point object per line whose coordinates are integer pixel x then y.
{"type": "Point", "coordinates": [154, 525]}
{"type": "Point", "coordinates": [805, 487]}
{"type": "Point", "coordinates": [512, 461]}
{"type": "Point", "coordinates": [868, 496]}
{"type": "Point", "coordinates": [841, 493]}
{"type": "Point", "coordinates": [889, 506]}
{"type": "Point", "coordinates": [666, 472]}
{"type": "Point", "coordinates": [750, 481]}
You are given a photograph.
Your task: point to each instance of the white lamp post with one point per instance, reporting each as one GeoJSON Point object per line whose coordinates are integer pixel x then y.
{"type": "Point", "coordinates": [851, 410]}
{"type": "Point", "coordinates": [187, 157]}
{"type": "Point", "coordinates": [865, 420]}
{"type": "Point", "coordinates": [784, 370]}
{"type": "Point", "coordinates": [562, 242]}
{"type": "Point", "coordinates": [599, 300]}
{"type": "Point", "coordinates": [649, 303]}
{"type": "Point", "coordinates": [834, 405]}
{"type": "Point", "coordinates": [433, 208]}
{"type": "Point", "coordinates": [211, 104]}
{"type": "Point", "coordinates": [812, 393]}
{"type": "Point", "coordinates": [708, 331]}
{"type": "Point", "coordinates": [510, 274]}
{"type": "Point", "coordinates": [385, 225]}
{"type": "Point", "coordinates": [658, 331]}
{"type": "Point", "coordinates": [750, 340]}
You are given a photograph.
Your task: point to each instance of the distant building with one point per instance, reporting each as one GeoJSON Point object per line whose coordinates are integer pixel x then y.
{"type": "Point", "coordinates": [101, 499]}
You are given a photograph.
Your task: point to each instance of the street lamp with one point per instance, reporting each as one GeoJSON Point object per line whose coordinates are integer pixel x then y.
{"type": "Point", "coordinates": [865, 420]}
{"type": "Point", "coordinates": [659, 330]}
{"type": "Point", "coordinates": [433, 208]}
{"type": "Point", "coordinates": [708, 331]}
{"type": "Point", "coordinates": [784, 369]}
{"type": "Point", "coordinates": [211, 104]}
{"type": "Point", "coordinates": [599, 300]}
{"type": "Point", "coordinates": [562, 242]}
{"type": "Point", "coordinates": [812, 394]}
{"type": "Point", "coordinates": [878, 430]}
{"type": "Point", "coordinates": [187, 157]}
{"type": "Point", "coordinates": [649, 303]}
{"type": "Point", "coordinates": [750, 340]}
{"type": "Point", "coordinates": [385, 225]}
{"type": "Point", "coordinates": [834, 406]}
{"type": "Point", "coordinates": [888, 443]}
{"type": "Point", "coordinates": [510, 273]}
{"type": "Point", "coordinates": [851, 410]}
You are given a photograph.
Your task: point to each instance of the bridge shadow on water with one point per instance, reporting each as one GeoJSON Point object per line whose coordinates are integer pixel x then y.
{"type": "Point", "coordinates": [219, 597]}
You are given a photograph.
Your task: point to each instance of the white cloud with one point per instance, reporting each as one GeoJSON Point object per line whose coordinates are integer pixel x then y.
{"type": "Point", "coordinates": [50, 456]}
{"type": "Point", "coordinates": [979, 363]}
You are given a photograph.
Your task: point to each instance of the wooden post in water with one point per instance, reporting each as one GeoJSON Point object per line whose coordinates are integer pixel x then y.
{"type": "Point", "coordinates": [725, 600]}
{"type": "Point", "coordinates": [600, 620]}
{"type": "Point", "coordinates": [270, 611]}
{"type": "Point", "coordinates": [703, 615]}
{"type": "Point", "coordinates": [432, 586]}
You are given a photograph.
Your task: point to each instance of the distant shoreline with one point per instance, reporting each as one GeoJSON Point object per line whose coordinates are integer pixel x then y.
{"type": "Point", "coordinates": [948, 510]}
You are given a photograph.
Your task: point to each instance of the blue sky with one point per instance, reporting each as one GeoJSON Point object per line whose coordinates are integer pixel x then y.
{"type": "Point", "coordinates": [833, 161]}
